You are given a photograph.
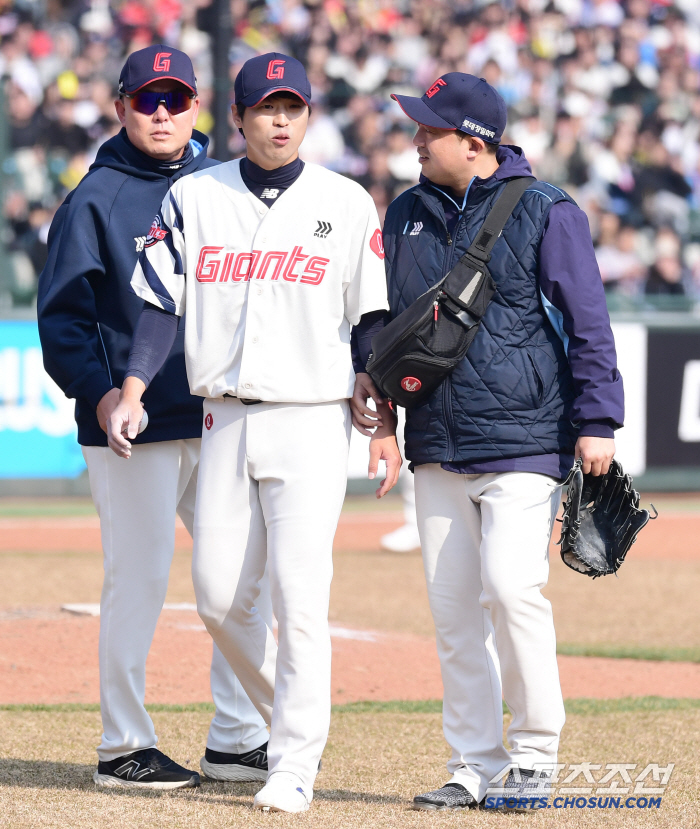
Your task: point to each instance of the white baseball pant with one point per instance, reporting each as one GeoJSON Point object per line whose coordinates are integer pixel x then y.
{"type": "Point", "coordinates": [485, 545]}
{"type": "Point", "coordinates": [271, 486]}
{"type": "Point", "coordinates": [137, 501]}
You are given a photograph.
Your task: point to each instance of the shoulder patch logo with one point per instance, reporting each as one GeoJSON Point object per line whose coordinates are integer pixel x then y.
{"type": "Point", "coordinates": [376, 243]}
{"type": "Point", "coordinates": [156, 233]}
{"type": "Point", "coordinates": [140, 243]}
{"type": "Point", "coordinates": [323, 229]}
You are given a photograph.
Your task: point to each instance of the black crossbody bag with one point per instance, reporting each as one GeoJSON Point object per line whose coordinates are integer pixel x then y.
{"type": "Point", "coordinates": [420, 347]}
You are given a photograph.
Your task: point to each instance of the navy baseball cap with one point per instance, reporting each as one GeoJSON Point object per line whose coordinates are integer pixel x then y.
{"type": "Point", "coordinates": [457, 101]}
{"type": "Point", "coordinates": [156, 63]}
{"type": "Point", "coordinates": [265, 74]}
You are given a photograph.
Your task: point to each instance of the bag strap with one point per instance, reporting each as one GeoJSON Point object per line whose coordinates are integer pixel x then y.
{"type": "Point", "coordinates": [494, 223]}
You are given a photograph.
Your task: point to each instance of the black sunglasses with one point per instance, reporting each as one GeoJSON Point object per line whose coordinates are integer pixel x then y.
{"type": "Point", "coordinates": [148, 102]}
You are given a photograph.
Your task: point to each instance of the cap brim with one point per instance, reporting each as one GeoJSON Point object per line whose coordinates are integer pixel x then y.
{"type": "Point", "coordinates": [160, 78]}
{"type": "Point", "coordinates": [418, 111]}
{"type": "Point", "coordinates": [255, 98]}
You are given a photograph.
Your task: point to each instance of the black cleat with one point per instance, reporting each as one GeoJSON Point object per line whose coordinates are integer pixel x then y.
{"type": "Point", "coordinates": [250, 767]}
{"type": "Point", "coordinates": [144, 769]}
{"type": "Point", "coordinates": [450, 796]}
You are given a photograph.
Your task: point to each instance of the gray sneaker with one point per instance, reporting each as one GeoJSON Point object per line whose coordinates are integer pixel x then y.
{"type": "Point", "coordinates": [450, 796]}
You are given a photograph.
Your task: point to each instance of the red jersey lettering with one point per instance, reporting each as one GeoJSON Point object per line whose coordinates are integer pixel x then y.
{"type": "Point", "coordinates": [314, 271]}
{"type": "Point", "coordinates": [296, 257]}
{"type": "Point", "coordinates": [207, 268]}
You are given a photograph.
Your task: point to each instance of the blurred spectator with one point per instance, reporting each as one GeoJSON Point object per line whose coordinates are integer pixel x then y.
{"type": "Point", "coordinates": [667, 273]}
{"type": "Point", "coordinates": [618, 256]}
{"type": "Point", "coordinates": [603, 96]}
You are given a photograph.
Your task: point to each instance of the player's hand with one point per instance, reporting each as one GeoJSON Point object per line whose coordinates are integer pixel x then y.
{"type": "Point", "coordinates": [364, 419]}
{"type": "Point", "coordinates": [126, 418]}
{"type": "Point", "coordinates": [596, 453]}
{"type": "Point", "coordinates": [383, 447]}
{"type": "Point", "coordinates": [106, 406]}
{"type": "Point", "coordinates": [123, 424]}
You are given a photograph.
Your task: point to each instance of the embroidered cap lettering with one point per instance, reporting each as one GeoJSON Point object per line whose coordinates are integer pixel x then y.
{"type": "Point", "coordinates": [275, 70]}
{"type": "Point", "coordinates": [162, 62]}
{"type": "Point", "coordinates": [470, 125]}
{"type": "Point", "coordinates": [435, 88]}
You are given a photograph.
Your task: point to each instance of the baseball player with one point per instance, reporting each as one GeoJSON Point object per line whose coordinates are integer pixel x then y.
{"type": "Point", "coordinates": [274, 261]}
{"type": "Point", "coordinates": [87, 315]}
{"type": "Point", "coordinates": [538, 386]}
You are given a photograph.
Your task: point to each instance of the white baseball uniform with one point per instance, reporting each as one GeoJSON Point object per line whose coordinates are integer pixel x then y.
{"type": "Point", "coordinates": [138, 539]}
{"type": "Point", "coordinates": [271, 293]}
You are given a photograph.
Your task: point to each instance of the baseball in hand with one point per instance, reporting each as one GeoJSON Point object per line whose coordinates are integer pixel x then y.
{"type": "Point", "coordinates": [144, 421]}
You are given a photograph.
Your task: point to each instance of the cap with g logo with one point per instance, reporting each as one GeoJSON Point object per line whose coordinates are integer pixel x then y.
{"type": "Point", "coordinates": [265, 74]}
{"type": "Point", "coordinates": [457, 101]}
{"type": "Point", "coordinates": [156, 63]}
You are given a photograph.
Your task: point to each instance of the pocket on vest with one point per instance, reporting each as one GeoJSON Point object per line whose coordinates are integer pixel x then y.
{"type": "Point", "coordinates": [537, 382]}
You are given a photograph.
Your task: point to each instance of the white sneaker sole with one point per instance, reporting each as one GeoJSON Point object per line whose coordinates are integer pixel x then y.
{"type": "Point", "coordinates": [232, 773]}
{"type": "Point", "coordinates": [107, 781]}
{"type": "Point", "coordinates": [274, 807]}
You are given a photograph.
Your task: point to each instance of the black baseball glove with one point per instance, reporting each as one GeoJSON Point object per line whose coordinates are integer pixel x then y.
{"type": "Point", "coordinates": [601, 520]}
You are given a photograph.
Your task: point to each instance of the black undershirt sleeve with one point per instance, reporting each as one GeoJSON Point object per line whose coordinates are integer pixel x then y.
{"type": "Point", "coordinates": [153, 340]}
{"type": "Point", "coordinates": [361, 338]}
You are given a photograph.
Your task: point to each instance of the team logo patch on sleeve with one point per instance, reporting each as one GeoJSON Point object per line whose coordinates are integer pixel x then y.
{"type": "Point", "coordinates": [377, 243]}
{"type": "Point", "coordinates": [157, 232]}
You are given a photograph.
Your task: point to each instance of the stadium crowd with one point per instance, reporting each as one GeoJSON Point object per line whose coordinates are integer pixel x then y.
{"type": "Point", "coordinates": [603, 96]}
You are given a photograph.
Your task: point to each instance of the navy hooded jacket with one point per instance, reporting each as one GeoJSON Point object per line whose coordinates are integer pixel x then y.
{"type": "Point", "coordinates": [86, 308]}
{"type": "Point", "coordinates": [542, 367]}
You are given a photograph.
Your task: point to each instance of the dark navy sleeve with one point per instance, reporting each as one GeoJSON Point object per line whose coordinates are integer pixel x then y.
{"type": "Point", "coordinates": [574, 300]}
{"type": "Point", "coordinates": [361, 338]}
{"type": "Point", "coordinates": [154, 336]}
{"type": "Point", "coordinates": [66, 310]}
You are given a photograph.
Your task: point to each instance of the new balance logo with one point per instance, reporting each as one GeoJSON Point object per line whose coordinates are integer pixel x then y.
{"type": "Point", "coordinates": [417, 227]}
{"type": "Point", "coordinates": [323, 229]}
{"type": "Point", "coordinates": [256, 758]}
{"type": "Point", "coordinates": [140, 243]}
{"type": "Point", "coordinates": [269, 193]}
{"type": "Point", "coordinates": [130, 771]}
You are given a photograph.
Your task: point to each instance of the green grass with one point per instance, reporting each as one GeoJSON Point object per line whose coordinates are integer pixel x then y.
{"type": "Point", "coordinates": [46, 508]}
{"type": "Point", "coordinates": [432, 706]}
{"type": "Point", "coordinates": [631, 652]}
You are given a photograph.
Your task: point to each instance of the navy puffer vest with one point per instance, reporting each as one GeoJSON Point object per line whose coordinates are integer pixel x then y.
{"type": "Point", "coordinates": [510, 396]}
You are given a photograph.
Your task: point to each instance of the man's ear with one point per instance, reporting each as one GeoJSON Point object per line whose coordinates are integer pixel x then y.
{"type": "Point", "coordinates": [121, 111]}
{"type": "Point", "coordinates": [237, 120]}
{"type": "Point", "coordinates": [475, 147]}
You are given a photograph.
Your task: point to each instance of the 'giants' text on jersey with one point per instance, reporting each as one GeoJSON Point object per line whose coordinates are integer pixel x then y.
{"type": "Point", "coordinates": [270, 301]}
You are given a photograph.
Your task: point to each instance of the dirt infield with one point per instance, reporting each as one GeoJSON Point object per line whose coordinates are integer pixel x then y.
{"type": "Point", "coordinates": [383, 642]}
{"type": "Point", "coordinates": [53, 659]}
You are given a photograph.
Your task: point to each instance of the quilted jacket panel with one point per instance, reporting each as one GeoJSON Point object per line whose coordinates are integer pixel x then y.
{"type": "Point", "coordinates": [511, 395]}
